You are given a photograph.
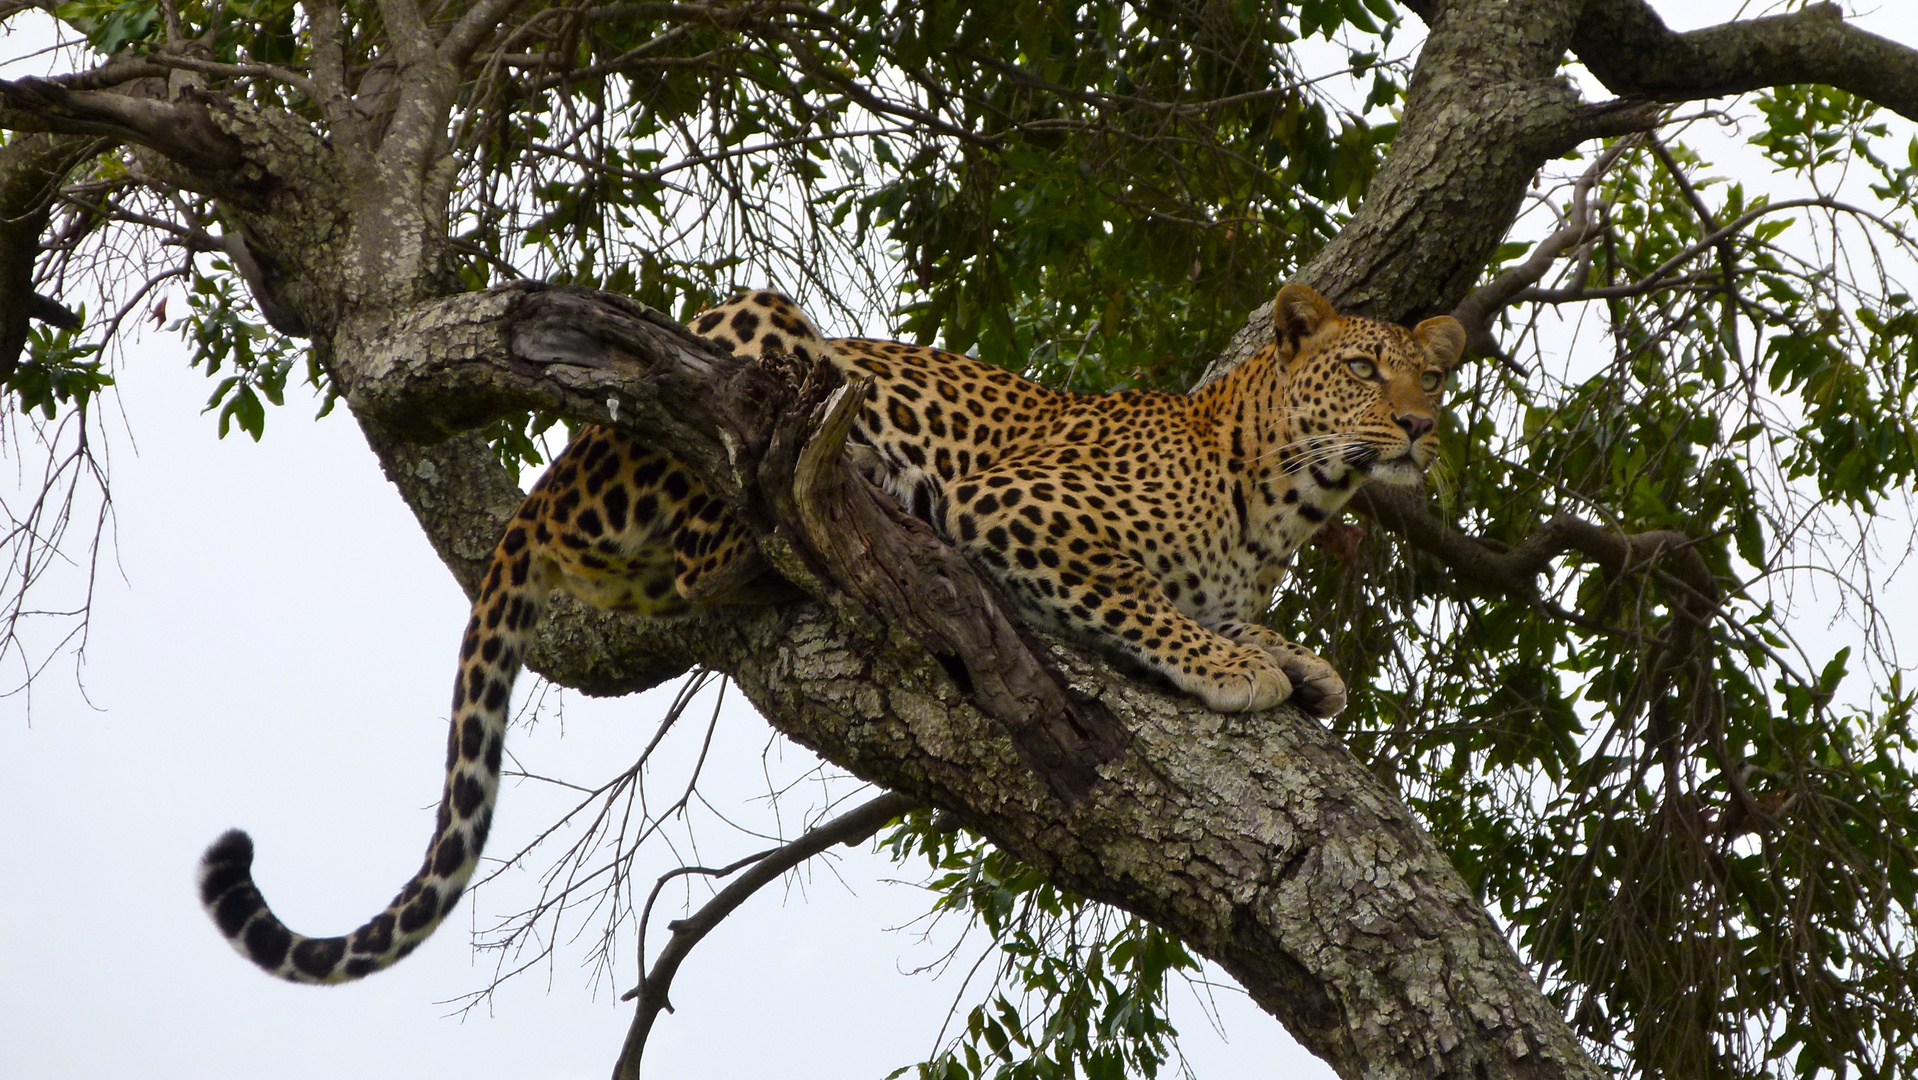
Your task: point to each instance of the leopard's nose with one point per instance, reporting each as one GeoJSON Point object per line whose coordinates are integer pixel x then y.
{"type": "Point", "coordinates": [1415, 424]}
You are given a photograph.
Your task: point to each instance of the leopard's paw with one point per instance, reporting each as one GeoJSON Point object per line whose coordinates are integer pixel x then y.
{"type": "Point", "coordinates": [1258, 682]}
{"type": "Point", "coordinates": [1316, 687]}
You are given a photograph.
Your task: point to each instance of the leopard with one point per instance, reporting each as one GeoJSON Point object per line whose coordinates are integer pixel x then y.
{"type": "Point", "coordinates": [1153, 526]}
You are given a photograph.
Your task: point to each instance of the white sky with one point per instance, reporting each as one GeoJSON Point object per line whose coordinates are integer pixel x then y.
{"type": "Point", "coordinates": [273, 650]}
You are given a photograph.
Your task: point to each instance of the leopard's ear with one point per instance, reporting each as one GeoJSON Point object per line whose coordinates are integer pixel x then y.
{"type": "Point", "coordinates": [1443, 338]}
{"type": "Point", "coordinates": [1300, 312]}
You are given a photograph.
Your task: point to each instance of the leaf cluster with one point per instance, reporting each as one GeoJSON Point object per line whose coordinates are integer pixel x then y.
{"type": "Point", "coordinates": [221, 335]}
{"type": "Point", "coordinates": [60, 370]}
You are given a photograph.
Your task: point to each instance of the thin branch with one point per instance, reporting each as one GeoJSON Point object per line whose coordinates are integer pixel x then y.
{"type": "Point", "coordinates": [653, 175]}
{"type": "Point", "coordinates": [239, 71]}
{"type": "Point", "coordinates": [1477, 310]}
{"type": "Point", "coordinates": [1662, 272]}
{"type": "Point", "coordinates": [1513, 571]}
{"type": "Point", "coordinates": [849, 828]}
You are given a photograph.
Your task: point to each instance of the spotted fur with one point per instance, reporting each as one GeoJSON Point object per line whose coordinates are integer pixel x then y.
{"type": "Point", "coordinates": [1153, 526]}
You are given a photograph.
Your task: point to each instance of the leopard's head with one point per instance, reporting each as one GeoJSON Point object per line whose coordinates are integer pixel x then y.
{"type": "Point", "coordinates": [1360, 392]}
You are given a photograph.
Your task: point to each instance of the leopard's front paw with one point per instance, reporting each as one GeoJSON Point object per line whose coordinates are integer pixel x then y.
{"type": "Point", "coordinates": [1258, 683]}
{"type": "Point", "coordinates": [1316, 687]}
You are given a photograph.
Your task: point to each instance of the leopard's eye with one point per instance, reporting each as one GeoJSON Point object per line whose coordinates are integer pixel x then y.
{"type": "Point", "coordinates": [1364, 369]}
{"type": "Point", "coordinates": [1432, 380]}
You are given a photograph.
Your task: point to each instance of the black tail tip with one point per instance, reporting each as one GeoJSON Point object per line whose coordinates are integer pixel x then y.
{"type": "Point", "coordinates": [233, 848]}
{"type": "Point", "coordinates": [228, 863]}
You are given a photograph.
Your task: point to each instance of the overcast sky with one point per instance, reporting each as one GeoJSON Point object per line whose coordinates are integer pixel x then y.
{"type": "Point", "coordinates": [272, 648]}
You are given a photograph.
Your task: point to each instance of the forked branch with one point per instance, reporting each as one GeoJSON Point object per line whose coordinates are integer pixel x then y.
{"type": "Point", "coordinates": [1513, 571]}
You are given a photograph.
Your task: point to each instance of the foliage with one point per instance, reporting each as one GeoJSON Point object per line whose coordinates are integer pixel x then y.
{"type": "Point", "coordinates": [60, 368]}
{"type": "Point", "coordinates": [1709, 860]}
{"type": "Point", "coordinates": [1699, 831]}
{"type": "Point", "coordinates": [1079, 988]}
{"type": "Point", "coordinates": [221, 335]}
{"type": "Point", "coordinates": [257, 31]}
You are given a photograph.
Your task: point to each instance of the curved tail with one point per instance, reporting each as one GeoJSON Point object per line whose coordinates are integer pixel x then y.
{"type": "Point", "coordinates": [504, 616]}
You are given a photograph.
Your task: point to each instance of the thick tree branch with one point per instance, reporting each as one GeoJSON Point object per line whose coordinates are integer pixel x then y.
{"type": "Point", "coordinates": [463, 499]}
{"type": "Point", "coordinates": [1260, 840]}
{"type": "Point", "coordinates": [328, 66]}
{"type": "Point", "coordinates": [183, 130]}
{"type": "Point", "coordinates": [406, 24]}
{"type": "Point", "coordinates": [851, 827]}
{"type": "Point", "coordinates": [1488, 79]}
{"type": "Point", "coordinates": [1632, 52]}
{"type": "Point", "coordinates": [718, 414]}
{"type": "Point", "coordinates": [474, 27]}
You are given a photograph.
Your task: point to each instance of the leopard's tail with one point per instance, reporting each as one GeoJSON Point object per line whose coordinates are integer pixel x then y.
{"type": "Point", "coordinates": [504, 617]}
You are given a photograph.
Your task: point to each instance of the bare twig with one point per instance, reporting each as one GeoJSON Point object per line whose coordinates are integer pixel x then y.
{"type": "Point", "coordinates": [1477, 310]}
{"type": "Point", "coordinates": [851, 827]}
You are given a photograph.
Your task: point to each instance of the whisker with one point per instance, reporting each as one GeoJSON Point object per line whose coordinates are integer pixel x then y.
{"type": "Point", "coordinates": [1440, 477]}
{"type": "Point", "coordinates": [1321, 455]}
{"type": "Point", "coordinates": [1307, 444]}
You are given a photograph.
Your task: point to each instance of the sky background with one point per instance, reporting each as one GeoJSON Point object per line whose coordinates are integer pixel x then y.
{"type": "Point", "coordinates": [272, 647]}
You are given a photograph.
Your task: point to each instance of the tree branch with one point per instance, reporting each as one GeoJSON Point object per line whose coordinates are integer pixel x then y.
{"type": "Point", "coordinates": [328, 66]}
{"type": "Point", "coordinates": [849, 828]}
{"type": "Point", "coordinates": [1477, 310]}
{"type": "Point", "coordinates": [275, 72]}
{"type": "Point", "coordinates": [473, 27]}
{"type": "Point", "coordinates": [1512, 571]}
{"type": "Point", "coordinates": [1712, 241]}
{"type": "Point", "coordinates": [407, 26]}
{"type": "Point", "coordinates": [1486, 78]}
{"type": "Point", "coordinates": [1633, 53]}
{"type": "Point", "coordinates": [182, 130]}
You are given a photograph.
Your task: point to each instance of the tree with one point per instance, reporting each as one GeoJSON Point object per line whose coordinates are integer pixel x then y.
{"type": "Point", "coordinates": [1577, 666]}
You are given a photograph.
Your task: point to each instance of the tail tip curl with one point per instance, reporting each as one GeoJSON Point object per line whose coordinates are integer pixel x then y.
{"type": "Point", "coordinates": [225, 867]}
{"type": "Point", "coordinates": [229, 895]}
